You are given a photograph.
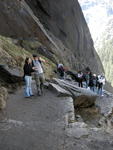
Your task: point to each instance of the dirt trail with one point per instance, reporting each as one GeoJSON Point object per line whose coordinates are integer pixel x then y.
{"type": "Point", "coordinates": [39, 123]}
{"type": "Point", "coordinates": [33, 124]}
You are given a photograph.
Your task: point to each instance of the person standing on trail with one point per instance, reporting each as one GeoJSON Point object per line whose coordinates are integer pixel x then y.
{"type": "Point", "coordinates": [38, 74]}
{"type": "Point", "coordinates": [61, 71]}
{"type": "Point", "coordinates": [95, 83]}
{"type": "Point", "coordinates": [80, 78]}
{"type": "Point", "coordinates": [86, 78]}
{"type": "Point", "coordinates": [91, 85]}
{"type": "Point", "coordinates": [28, 69]}
{"type": "Point", "coordinates": [101, 83]}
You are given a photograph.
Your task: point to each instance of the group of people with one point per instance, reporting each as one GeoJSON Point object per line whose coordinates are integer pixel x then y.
{"type": "Point", "coordinates": [85, 79]}
{"type": "Point", "coordinates": [92, 81]}
{"type": "Point", "coordinates": [33, 67]}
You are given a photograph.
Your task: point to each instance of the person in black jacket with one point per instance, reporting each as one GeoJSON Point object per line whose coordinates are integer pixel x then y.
{"type": "Point", "coordinates": [80, 78]}
{"type": "Point", "coordinates": [91, 81]}
{"type": "Point", "coordinates": [61, 71]}
{"type": "Point", "coordinates": [28, 69]}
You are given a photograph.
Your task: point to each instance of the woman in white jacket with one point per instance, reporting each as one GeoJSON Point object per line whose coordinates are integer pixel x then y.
{"type": "Point", "coordinates": [101, 83]}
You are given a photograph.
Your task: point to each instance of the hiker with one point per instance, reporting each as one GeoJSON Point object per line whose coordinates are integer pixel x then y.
{"type": "Point", "coordinates": [95, 83]}
{"type": "Point", "coordinates": [86, 78]}
{"type": "Point", "coordinates": [61, 71]}
{"type": "Point", "coordinates": [101, 83]}
{"type": "Point", "coordinates": [38, 74]}
{"type": "Point", "coordinates": [28, 69]}
{"type": "Point", "coordinates": [80, 78]}
{"type": "Point", "coordinates": [91, 81]}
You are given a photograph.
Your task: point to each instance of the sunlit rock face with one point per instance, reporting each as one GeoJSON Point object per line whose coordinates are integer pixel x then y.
{"type": "Point", "coordinates": [99, 16]}
{"type": "Point", "coordinates": [104, 46]}
{"type": "Point", "coordinates": [97, 13]}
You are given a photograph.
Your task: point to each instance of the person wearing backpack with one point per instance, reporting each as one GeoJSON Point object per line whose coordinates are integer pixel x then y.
{"type": "Point", "coordinates": [38, 74]}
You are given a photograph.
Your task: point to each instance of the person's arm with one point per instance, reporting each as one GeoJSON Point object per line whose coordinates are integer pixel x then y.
{"type": "Point", "coordinates": [42, 60]}
{"type": "Point", "coordinates": [24, 71]}
{"type": "Point", "coordinates": [24, 68]}
{"type": "Point", "coordinates": [33, 66]}
{"type": "Point", "coordinates": [32, 63]}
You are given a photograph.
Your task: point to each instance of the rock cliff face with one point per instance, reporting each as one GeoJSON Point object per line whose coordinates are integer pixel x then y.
{"type": "Point", "coordinates": [58, 25]}
{"type": "Point", "coordinates": [64, 19]}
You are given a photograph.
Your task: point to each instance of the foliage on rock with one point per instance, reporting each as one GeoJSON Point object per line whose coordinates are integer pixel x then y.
{"type": "Point", "coordinates": [3, 97]}
{"type": "Point", "coordinates": [105, 50]}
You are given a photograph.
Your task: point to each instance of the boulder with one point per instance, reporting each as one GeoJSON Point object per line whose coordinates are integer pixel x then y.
{"type": "Point", "coordinates": [106, 105]}
{"type": "Point", "coordinates": [73, 88]}
{"type": "Point", "coordinates": [60, 91]}
{"type": "Point", "coordinates": [83, 98]}
{"type": "Point", "coordinates": [77, 130]}
{"type": "Point", "coordinates": [3, 97]}
{"type": "Point", "coordinates": [84, 101]}
{"type": "Point", "coordinates": [10, 75]}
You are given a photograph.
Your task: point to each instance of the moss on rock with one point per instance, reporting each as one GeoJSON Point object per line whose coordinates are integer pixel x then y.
{"type": "Point", "coordinates": [14, 55]}
{"type": "Point", "coordinates": [3, 97]}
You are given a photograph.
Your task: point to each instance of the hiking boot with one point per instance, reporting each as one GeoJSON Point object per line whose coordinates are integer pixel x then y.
{"type": "Point", "coordinates": [27, 96]}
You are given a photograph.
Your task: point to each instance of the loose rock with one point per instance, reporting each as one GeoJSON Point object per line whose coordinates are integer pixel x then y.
{"type": "Point", "coordinates": [10, 75]}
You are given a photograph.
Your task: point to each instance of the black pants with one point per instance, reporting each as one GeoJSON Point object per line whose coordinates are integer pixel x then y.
{"type": "Point", "coordinates": [80, 83]}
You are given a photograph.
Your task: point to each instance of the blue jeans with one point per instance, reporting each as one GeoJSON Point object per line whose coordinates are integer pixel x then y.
{"type": "Point", "coordinates": [94, 89]}
{"type": "Point", "coordinates": [100, 91]}
{"type": "Point", "coordinates": [87, 83]}
{"type": "Point", "coordinates": [28, 89]}
{"type": "Point", "coordinates": [91, 88]}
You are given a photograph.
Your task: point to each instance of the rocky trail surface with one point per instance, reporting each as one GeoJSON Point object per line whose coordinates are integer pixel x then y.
{"type": "Point", "coordinates": [49, 122]}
